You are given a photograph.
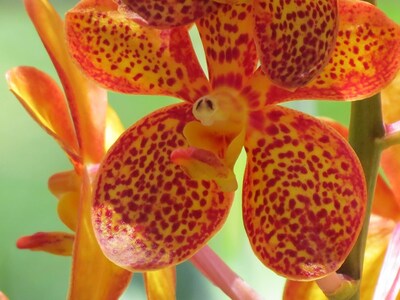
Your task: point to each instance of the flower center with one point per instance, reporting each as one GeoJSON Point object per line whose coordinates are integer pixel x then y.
{"type": "Point", "coordinates": [222, 110]}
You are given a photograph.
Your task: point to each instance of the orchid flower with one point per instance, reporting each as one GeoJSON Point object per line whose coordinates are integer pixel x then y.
{"type": "Point", "coordinates": [381, 265]}
{"type": "Point", "coordinates": [85, 127]}
{"type": "Point", "coordinates": [291, 36]}
{"type": "Point", "coordinates": [78, 119]}
{"type": "Point", "coordinates": [165, 187]}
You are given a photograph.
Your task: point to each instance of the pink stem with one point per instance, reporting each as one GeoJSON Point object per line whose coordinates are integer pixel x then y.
{"type": "Point", "coordinates": [219, 273]}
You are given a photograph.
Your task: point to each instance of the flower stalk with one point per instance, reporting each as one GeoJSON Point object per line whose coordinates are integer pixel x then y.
{"type": "Point", "coordinates": [215, 269]}
{"type": "Point", "coordinates": [366, 130]}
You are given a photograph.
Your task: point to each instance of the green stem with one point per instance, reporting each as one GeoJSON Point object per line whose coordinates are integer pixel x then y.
{"type": "Point", "coordinates": [366, 130]}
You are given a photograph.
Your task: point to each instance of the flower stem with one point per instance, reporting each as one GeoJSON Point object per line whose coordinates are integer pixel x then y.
{"type": "Point", "coordinates": [366, 130]}
{"type": "Point", "coordinates": [219, 273]}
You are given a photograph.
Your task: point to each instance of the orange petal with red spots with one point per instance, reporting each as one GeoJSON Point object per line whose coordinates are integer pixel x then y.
{"type": "Point", "coordinates": [93, 275]}
{"type": "Point", "coordinates": [147, 213]}
{"type": "Point", "coordinates": [58, 243]}
{"type": "Point", "coordinates": [229, 45]}
{"type": "Point", "coordinates": [304, 194]}
{"type": "Point", "coordinates": [365, 59]}
{"type": "Point", "coordinates": [127, 57]}
{"type": "Point", "coordinates": [295, 38]}
{"type": "Point", "coordinates": [379, 233]}
{"type": "Point", "coordinates": [385, 203]}
{"type": "Point", "coordinates": [161, 284]}
{"type": "Point", "coordinates": [87, 102]}
{"type": "Point", "coordinates": [167, 13]}
{"type": "Point", "coordinates": [40, 95]}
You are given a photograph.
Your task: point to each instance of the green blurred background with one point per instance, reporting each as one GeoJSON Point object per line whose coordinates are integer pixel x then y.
{"type": "Point", "coordinates": [28, 156]}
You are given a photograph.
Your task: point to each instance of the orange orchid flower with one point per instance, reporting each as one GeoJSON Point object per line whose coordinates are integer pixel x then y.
{"type": "Point", "coordinates": [85, 127]}
{"type": "Point", "coordinates": [291, 36]}
{"type": "Point", "coordinates": [165, 187]}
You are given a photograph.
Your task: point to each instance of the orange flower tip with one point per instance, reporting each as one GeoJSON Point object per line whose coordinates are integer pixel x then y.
{"type": "Point", "coordinates": [3, 296]}
{"type": "Point", "coordinates": [201, 164]}
{"type": "Point", "coordinates": [58, 243]}
{"type": "Point", "coordinates": [64, 182]}
{"type": "Point", "coordinates": [338, 286]}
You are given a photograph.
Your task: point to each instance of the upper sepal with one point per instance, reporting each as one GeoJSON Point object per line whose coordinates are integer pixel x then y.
{"type": "Point", "coordinates": [127, 57]}
{"type": "Point", "coordinates": [147, 213]}
{"type": "Point", "coordinates": [304, 194]}
{"type": "Point", "coordinates": [228, 42]}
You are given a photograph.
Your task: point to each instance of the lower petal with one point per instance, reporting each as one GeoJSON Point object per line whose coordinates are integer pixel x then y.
{"type": "Point", "coordinates": [377, 241]}
{"type": "Point", "coordinates": [147, 213]}
{"type": "Point", "coordinates": [304, 194]}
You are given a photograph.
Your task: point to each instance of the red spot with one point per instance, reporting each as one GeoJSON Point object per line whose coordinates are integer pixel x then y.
{"type": "Point", "coordinates": [272, 130]}
{"type": "Point", "coordinates": [171, 81]}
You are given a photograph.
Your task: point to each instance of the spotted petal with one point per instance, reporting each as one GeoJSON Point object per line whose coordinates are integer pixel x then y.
{"type": "Point", "coordinates": [42, 98]}
{"type": "Point", "coordinates": [127, 57]}
{"type": "Point", "coordinates": [59, 243]}
{"type": "Point", "coordinates": [147, 213]}
{"type": "Point", "coordinates": [295, 38]}
{"type": "Point", "coordinates": [228, 43]}
{"type": "Point", "coordinates": [385, 203]}
{"type": "Point", "coordinates": [378, 238]}
{"type": "Point", "coordinates": [167, 13]}
{"type": "Point", "coordinates": [87, 102]}
{"type": "Point", "coordinates": [304, 194]}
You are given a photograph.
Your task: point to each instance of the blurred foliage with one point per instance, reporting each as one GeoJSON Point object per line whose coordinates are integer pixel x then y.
{"type": "Point", "coordinates": [28, 156]}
